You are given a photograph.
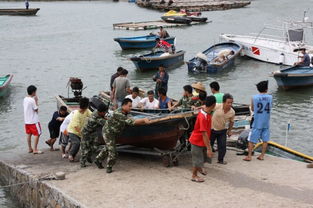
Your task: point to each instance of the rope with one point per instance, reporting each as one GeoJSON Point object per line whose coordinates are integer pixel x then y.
{"type": "Point", "coordinates": [188, 125]}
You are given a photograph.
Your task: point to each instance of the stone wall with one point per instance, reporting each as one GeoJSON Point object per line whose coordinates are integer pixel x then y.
{"type": "Point", "coordinates": [34, 193]}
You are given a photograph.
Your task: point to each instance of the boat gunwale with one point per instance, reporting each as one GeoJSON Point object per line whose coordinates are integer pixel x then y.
{"type": "Point", "coordinates": [130, 40]}
{"type": "Point", "coordinates": [7, 82]}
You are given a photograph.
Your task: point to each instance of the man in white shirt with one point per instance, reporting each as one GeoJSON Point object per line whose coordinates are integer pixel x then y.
{"type": "Point", "coordinates": [134, 97]}
{"type": "Point", "coordinates": [149, 102]}
{"type": "Point", "coordinates": [31, 119]}
{"type": "Point", "coordinates": [64, 138]}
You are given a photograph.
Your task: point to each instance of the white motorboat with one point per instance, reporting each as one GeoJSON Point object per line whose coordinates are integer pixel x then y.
{"type": "Point", "coordinates": [282, 49]}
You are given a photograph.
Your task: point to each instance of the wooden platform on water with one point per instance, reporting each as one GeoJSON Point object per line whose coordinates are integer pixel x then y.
{"type": "Point", "coordinates": [194, 5]}
{"type": "Point", "coordinates": [150, 25]}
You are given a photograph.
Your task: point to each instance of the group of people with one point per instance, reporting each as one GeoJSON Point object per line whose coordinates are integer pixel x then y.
{"type": "Point", "coordinates": [78, 130]}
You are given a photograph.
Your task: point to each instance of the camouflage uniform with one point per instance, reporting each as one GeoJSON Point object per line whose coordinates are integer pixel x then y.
{"type": "Point", "coordinates": [185, 102]}
{"type": "Point", "coordinates": [196, 102]}
{"type": "Point", "coordinates": [111, 130]}
{"type": "Point", "coordinates": [89, 143]}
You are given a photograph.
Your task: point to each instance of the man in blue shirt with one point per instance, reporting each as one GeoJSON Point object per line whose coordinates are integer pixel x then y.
{"type": "Point", "coordinates": [305, 59]}
{"type": "Point", "coordinates": [161, 80]}
{"type": "Point", "coordinates": [261, 105]}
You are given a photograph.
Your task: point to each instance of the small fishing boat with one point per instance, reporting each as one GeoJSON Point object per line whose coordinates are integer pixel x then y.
{"type": "Point", "coordinates": [294, 77]}
{"type": "Point", "coordinates": [19, 11]}
{"type": "Point", "coordinates": [4, 84]}
{"type": "Point", "coordinates": [193, 16]}
{"type": "Point", "coordinates": [176, 17]}
{"type": "Point", "coordinates": [276, 149]}
{"type": "Point", "coordinates": [206, 62]}
{"type": "Point", "coordinates": [153, 61]}
{"type": "Point", "coordinates": [275, 49]}
{"type": "Point", "coordinates": [141, 42]}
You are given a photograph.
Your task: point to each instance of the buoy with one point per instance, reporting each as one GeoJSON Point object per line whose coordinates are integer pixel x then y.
{"type": "Point", "coordinates": [281, 58]}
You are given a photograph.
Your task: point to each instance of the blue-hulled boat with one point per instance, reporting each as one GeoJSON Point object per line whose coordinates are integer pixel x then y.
{"type": "Point", "coordinates": [141, 42]}
{"type": "Point", "coordinates": [153, 61]}
{"type": "Point", "coordinates": [294, 77]}
{"type": "Point", "coordinates": [4, 84]}
{"type": "Point", "coordinates": [205, 62]}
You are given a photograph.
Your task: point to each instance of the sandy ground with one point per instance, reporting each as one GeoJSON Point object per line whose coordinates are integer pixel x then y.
{"type": "Point", "coordinates": [142, 181]}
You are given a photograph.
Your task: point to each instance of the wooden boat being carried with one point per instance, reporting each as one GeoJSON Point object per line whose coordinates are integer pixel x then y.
{"type": "Point", "coordinates": [19, 11]}
{"type": "Point", "coordinates": [294, 77]}
{"type": "Point", "coordinates": [140, 42]}
{"type": "Point", "coordinates": [4, 84]}
{"type": "Point", "coordinates": [205, 62]}
{"type": "Point", "coordinates": [153, 61]}
{"type": "Point", "coordinates": [278, 150]}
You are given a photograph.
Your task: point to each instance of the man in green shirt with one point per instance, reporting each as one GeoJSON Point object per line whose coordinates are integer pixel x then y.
{"type": "Point", "coordinates": [112, 129]}
{"type": "Point", "coordinates": [215, 89]}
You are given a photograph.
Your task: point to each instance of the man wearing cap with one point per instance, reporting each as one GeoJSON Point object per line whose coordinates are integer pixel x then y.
{"type": "Point", "coordinates": [305, 59]}
{"type": "Point", "coordinates": [198, 86]}
{"type": "Point", "coordinates": [261, 105]}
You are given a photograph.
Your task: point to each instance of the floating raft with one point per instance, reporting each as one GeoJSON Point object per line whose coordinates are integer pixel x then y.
{"type": "Point", "coordinates": [193, 5]}
{"type": "Point", "coordinates": [150, 25]}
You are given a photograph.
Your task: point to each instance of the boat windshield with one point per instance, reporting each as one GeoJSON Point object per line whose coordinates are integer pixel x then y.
{"type": "Point", "coordinates": [296, 35]}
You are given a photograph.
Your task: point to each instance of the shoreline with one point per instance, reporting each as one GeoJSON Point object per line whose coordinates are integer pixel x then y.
{"type": "Point", "coordinates": [142, 181]}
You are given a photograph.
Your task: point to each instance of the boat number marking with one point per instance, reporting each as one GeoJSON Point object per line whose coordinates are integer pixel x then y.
{"type": "Point", "coordinates": [255, 50]}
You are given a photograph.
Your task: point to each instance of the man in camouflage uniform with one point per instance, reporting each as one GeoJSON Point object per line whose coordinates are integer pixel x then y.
{"type": "Point", "coordinates": [112, 129]}
{"type": "Point", "coordinates": [89, 143]}
{"type": "Point", "coordinates": [186, 100]}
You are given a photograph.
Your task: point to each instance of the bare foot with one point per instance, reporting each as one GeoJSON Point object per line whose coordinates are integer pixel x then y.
{"type": "Point", "coordinates": [197, 179]}
{"type": "Point", "coordinates": [260, 158]}
{"type": "Point", "coordinates": [248, 159]}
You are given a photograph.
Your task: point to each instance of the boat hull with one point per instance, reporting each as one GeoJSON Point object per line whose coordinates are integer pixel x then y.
{"type": "Point", "coordinates": [4, 84]}
{"type": "Point", "coordinates": [261, 51]}
{"type": "Point", "coordinates": [282, 151]}
{"type": "Point", "coordinates": [154, 61]}
{"type": "Point", "coordinates": [211, 53]}
{"type": "Point", "coordinates": [19, 11]}
{"type": "Point", "coordinates": [177, 19]}
{"type": "Point", "coordinates": [294, 77]}
{"type": "Point", "coordinates": [141, 42]}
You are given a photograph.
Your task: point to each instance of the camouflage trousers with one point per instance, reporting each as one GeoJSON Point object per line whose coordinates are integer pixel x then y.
{"type": "Point", "coordinates": [109, 151]}
{"type": "Point", "coordinates": [88, 146]}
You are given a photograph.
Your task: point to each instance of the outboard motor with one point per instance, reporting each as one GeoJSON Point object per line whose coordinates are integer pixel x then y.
{"type": "Point", "coordinates": [76, 85]}
{"type": "Point", "coordinates": [242, 141]}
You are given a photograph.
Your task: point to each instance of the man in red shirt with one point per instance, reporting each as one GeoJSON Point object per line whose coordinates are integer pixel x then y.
{"type": "Point", "coordinates": [199, 139]}
{"type": "Point", "coordinates": [167, 47]}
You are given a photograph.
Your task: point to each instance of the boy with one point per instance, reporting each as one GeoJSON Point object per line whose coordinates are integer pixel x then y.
{"type": "Point", "coordinates": [89, 142]}
{"type": "Point", "coordinates": [199, 139]}
{"type": "Point", "coordinates": [31, 119]}
{"type": "Point", "coordinates": [261, 105]}
{"type": "Point", "coordinates": [54, 126]}
{"type": "Point", "coordinates": [75, 126]}
{"type": "Point", "coordinates": [186, 100]}
{"type": "Point", "coordinates": [112, 129]}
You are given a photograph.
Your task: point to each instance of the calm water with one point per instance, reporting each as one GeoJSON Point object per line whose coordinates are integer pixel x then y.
{"type": "Point", "coordinates": [76, 39]}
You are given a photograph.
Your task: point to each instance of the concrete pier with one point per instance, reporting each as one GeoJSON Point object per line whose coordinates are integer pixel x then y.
{"type": "Point", "coordinates": [142, 181]}
{"type": "Point", "coordinates": [194, 5]}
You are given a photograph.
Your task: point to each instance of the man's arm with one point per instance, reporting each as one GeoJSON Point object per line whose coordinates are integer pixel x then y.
{"type": "Point", "coordinates": [252, 108]}
{"type": "Point", "coordinates": [207, 143]}
{"type": "Point", "coordinates": [230, 128]}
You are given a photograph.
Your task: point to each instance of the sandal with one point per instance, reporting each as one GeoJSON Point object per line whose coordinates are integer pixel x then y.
{"type": "Point", "coordinates": [48, 143]}
{"type": "Point", "coordinates": [260, 158]}
{"type": "Point", "coordinates": [30, 151]}
{"type": "Point", "coordinates": [203, 172]}
{"type": "Point", "coordinates": [37, 152]}
{"type": "Point", "coordinates": [197, 179]}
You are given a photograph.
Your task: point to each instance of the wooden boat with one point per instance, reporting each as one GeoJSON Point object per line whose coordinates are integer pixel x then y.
{"type": "Point", "coordinates": [205, 62]}
{"type": "Point", "coordinates": [4, 84]}
{"type": "Point", "coordinates": [163, 133]}
{"type": "Point", "coordinates": [153, 61]}
{"type": "Point", "coordinates": [276, 149]}
{"type": "Point", "coordinates": [19, 11]}
{"type": "Point", "coordinates": [294, 77]}
{"type": "Point", "coordinates": [140, 42]}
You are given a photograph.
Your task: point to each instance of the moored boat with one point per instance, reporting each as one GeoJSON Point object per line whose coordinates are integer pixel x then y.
{"type": "Point", "coordinates": [140, 42]}
{"type": "Point", "coordinates": [205, 62]}
{"type": "Point", "coordinates": [294, 77]}
{"type": "Point", "coordinates": [276, 149]}
{"type": "Point", "coordinates": [177, 19]}
{"type": "Point", "coordinates": [19, 11]}
{"type": "Point", "coordinates": [153, 61]}
{"type": "Point", "coordinates": [193, 16]}
{"type": "Point", "coordinates": [275, 49]}
{"type": "Point", "coordinates": [4, 84]}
